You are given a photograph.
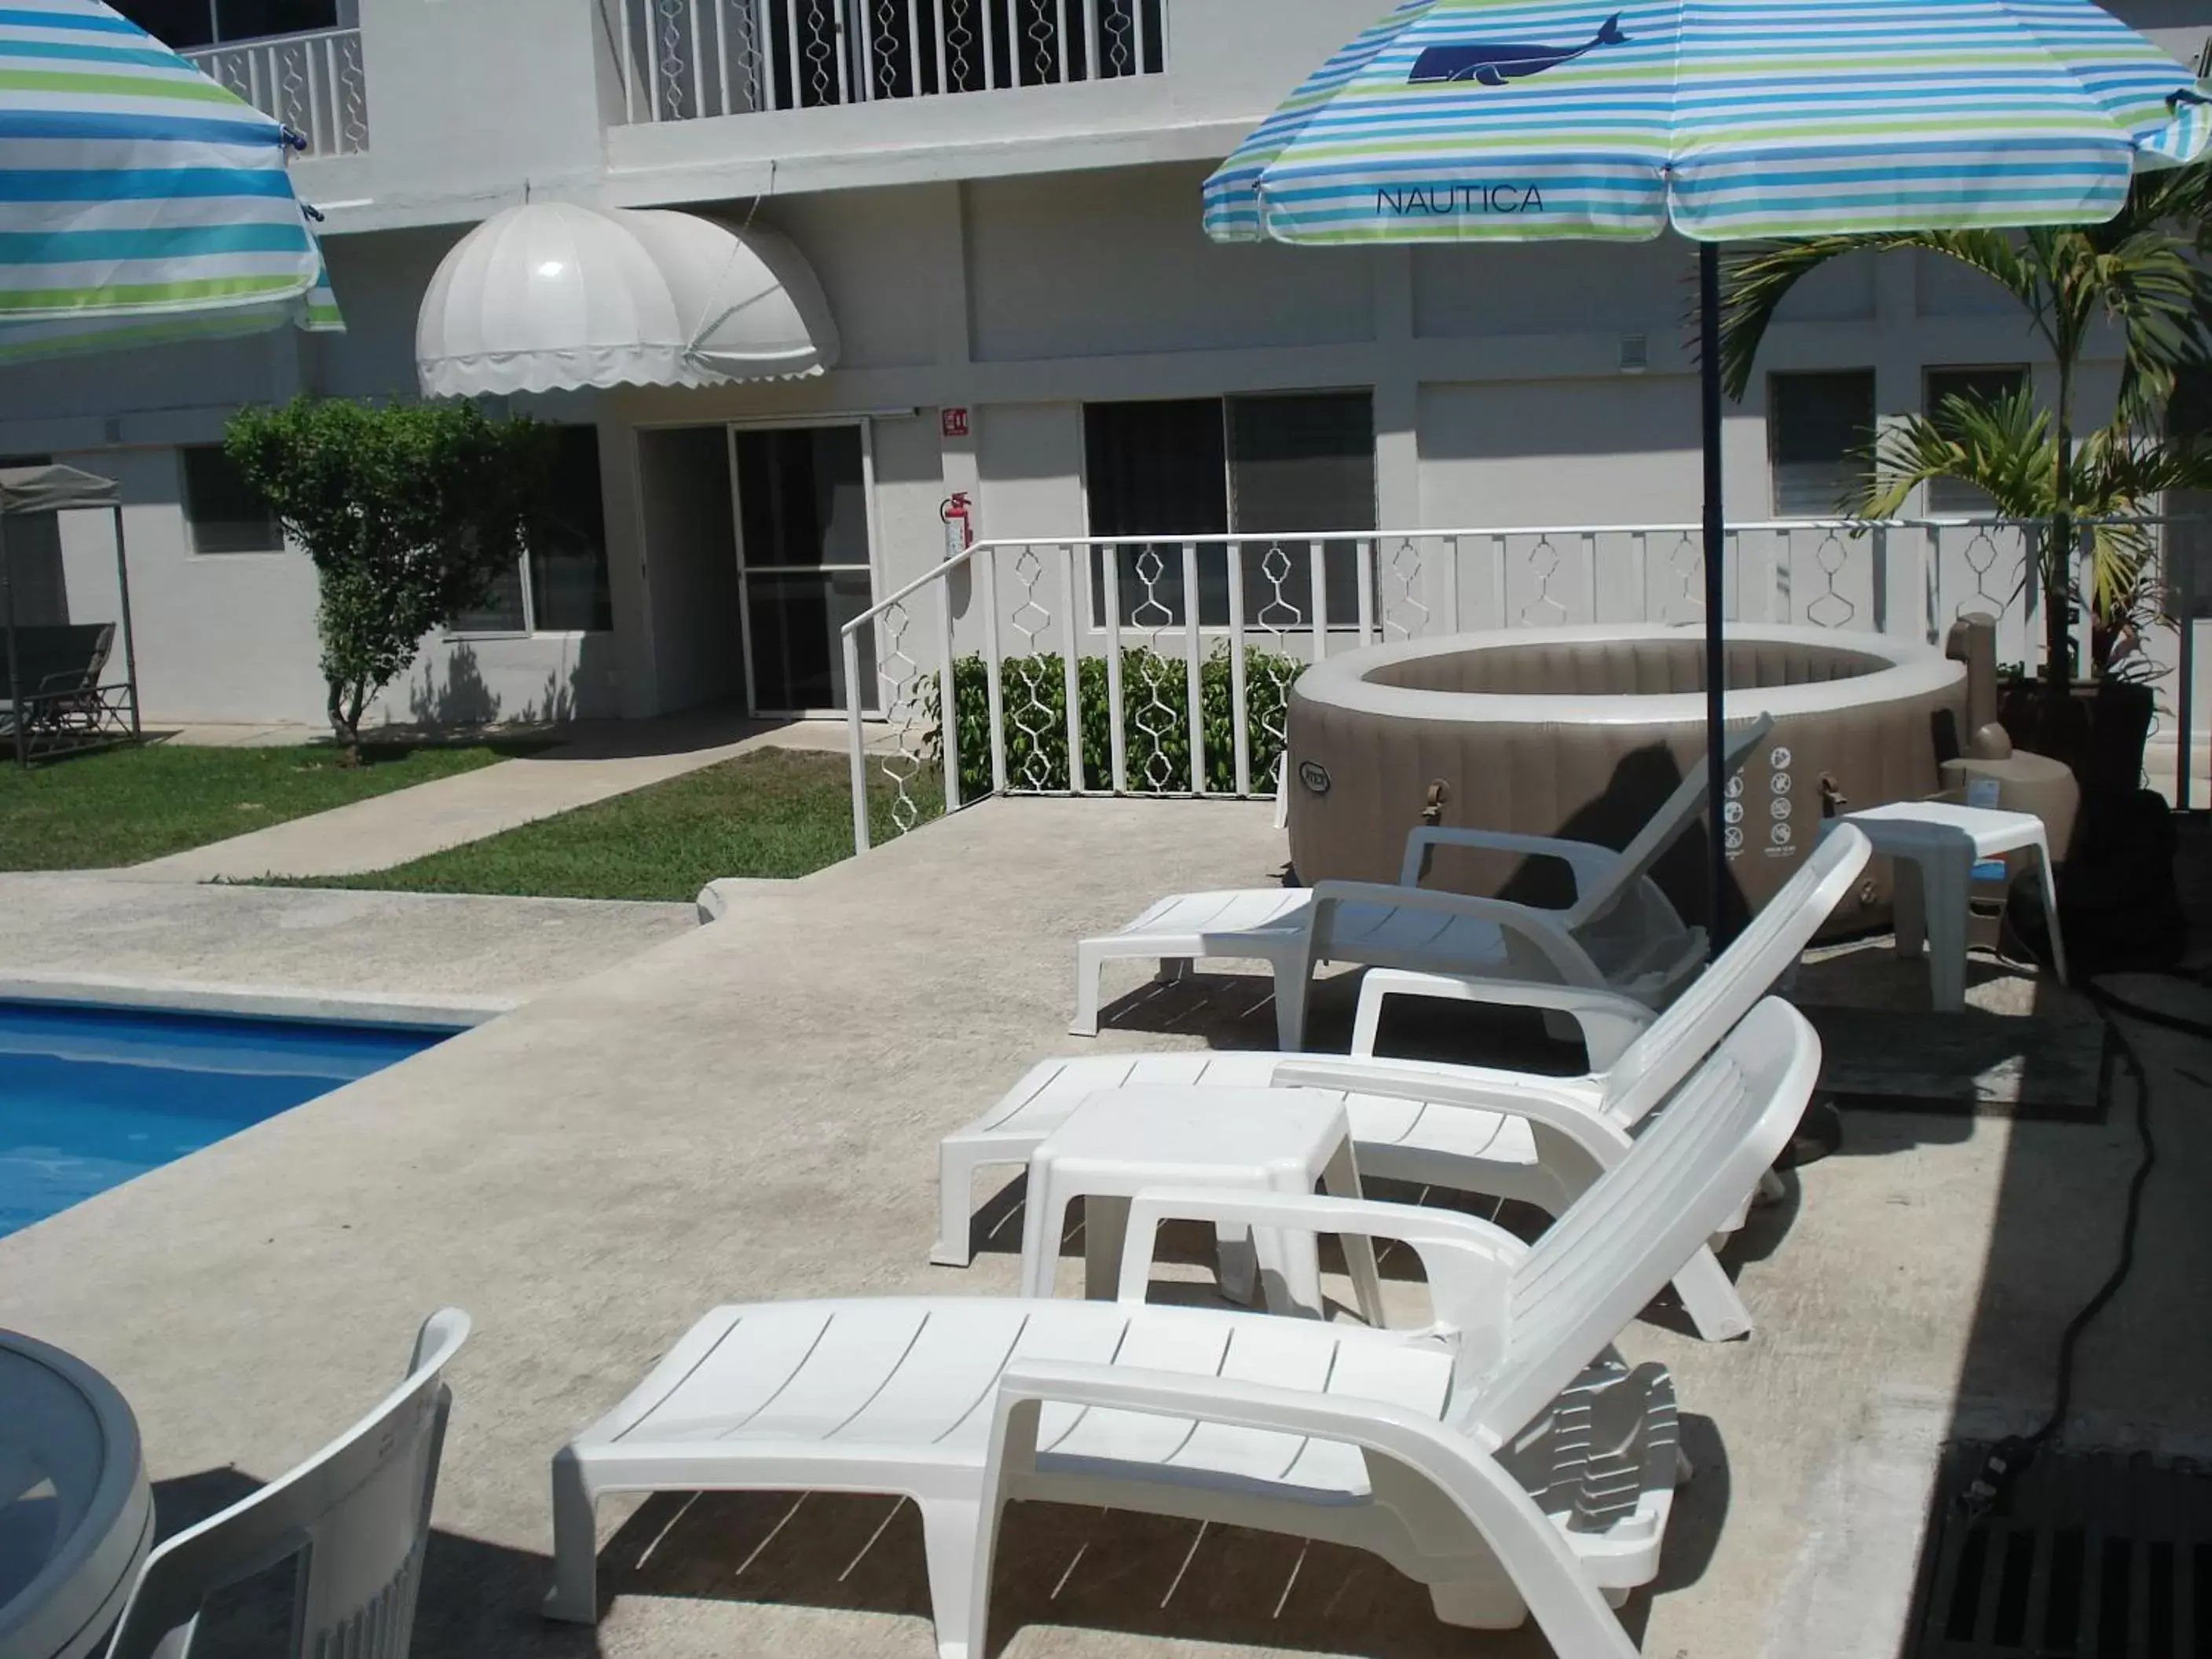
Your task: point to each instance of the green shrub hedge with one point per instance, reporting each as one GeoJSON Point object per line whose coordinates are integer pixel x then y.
{"type": "Point", "coordinates": [1155, 720]}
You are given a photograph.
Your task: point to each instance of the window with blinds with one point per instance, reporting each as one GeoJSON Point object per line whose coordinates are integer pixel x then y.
{"type": "Point", "coordinates": [226, 512]}
{"type": "Point", "coordinates": [1984, 384]}
{"type": "Point", "coordinates": [1819, 428]}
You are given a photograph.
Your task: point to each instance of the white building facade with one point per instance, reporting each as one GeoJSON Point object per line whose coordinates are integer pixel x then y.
{"type": "Point", "coordinates": [1000, 199]}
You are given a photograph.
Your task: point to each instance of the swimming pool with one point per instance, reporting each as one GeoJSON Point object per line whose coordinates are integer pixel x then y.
{"type": "Point", "coordinates": [90, 1097]}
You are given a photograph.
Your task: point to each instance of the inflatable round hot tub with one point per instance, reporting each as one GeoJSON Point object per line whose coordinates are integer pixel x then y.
{"type": "Point", "coordinates": [1584, 731]}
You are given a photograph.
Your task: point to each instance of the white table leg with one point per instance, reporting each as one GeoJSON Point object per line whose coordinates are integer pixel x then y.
{"type": "Point", "coordinates": [1289, 1260]}
{"type": "Point", "coordinates": [1236, 1267]}
{"type": "Point", "coordinates": [2051, 908]}
{"type": "Point", "coordinates": [1341, 1180]}
{"type": "Point", "coordinates": [1945, 875]}
{"type": "Point", "coordinates": [1909, 904]}
{"type": "Point", "coordinates": [1105, 1230]}
{"type": "Point", "coordinates": [1292, 979]}
{"type": "Point", "coordinates": [1044, 1219]}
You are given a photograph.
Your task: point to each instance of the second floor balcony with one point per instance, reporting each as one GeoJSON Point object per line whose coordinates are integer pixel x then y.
{"type": "Point", "coordinates": [684, 59]}
{"type": "Point", "coordinates": [298, 60]}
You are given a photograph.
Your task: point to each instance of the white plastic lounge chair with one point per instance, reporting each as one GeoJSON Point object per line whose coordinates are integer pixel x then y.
{"type": "Point", "coordinates": [357, 1514]}
{"type": "Point", "coordinates": [1620, 933]}
{"type": "Point", "coordinates": [1505, 1456]}
{"type": "Point", "coordinates": [1453, 1126]}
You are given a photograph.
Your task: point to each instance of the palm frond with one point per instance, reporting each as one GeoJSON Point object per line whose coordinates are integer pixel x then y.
{"type": "Point", "coordinates": [2002, 446]}
{"type": "Point", "coordinates": [2153, 293]}
{"type": "Point", "coordinates": [1754, 283]}
{"type": "Point", "coordinates": [1760, 277]}
{"type": "Point", "coordinates": [2117, 471]}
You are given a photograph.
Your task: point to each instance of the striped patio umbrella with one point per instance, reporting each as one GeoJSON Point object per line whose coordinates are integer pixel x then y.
{"type": "Point", "coordinates": [1536, 120]}
{"type": "Point", "coordinates": [140, 202]}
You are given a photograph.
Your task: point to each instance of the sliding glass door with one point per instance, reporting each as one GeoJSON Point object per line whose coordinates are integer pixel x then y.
{"type": "Point", "coordinates": [803, 557]}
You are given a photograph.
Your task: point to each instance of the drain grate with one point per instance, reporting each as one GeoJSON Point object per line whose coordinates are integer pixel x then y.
{"type": "Point", "coordinates": [2092, 1556]}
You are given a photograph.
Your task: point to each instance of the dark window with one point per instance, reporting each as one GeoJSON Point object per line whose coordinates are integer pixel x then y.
{"type": "Point", "coordinates": [1986, 386]}
{"type": "Point", "coordinates": [1819, 428]}
{"type": "Point", "coordinates": [566, 592]}
{"type": "Point", "coordinates": [184, 24]}
{"type": "Point", "coordinates": [1297, 463]}
{"type": "Point", "coordinates": [1156, 469]}
{"type": "Point", "coordinates": [2190, 413]}
{"type": "Point", "coordinates": [1294, 464]}
{"type": "Point", "coordinates": [506, 608]}
{"type": "Point", "coordinates": [227, 513]}
{"type": "Point", "coordinates": [569, 557]}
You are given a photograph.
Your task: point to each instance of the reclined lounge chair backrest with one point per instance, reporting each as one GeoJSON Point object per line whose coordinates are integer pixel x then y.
{"type": "Point", "coordinates": [1667, 825]}
{"type": "Point", "coordinates": [58, 657]}
{"type": "Point", "coordinates": [1615, 1248]}
{"type": "Point", "coordinates": [1696, 1021]}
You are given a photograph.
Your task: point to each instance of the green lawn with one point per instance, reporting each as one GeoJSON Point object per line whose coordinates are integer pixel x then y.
{"type": "Point", "coordinates": [773, 812]}
{"type": "Point", "coordinates": [125, 806]}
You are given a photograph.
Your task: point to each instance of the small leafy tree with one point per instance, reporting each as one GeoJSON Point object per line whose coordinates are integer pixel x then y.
{"type": "Point", "coordinates": [410, 512]}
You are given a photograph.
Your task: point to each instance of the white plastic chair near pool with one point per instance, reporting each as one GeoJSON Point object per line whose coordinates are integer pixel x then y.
{"type": "Point", "coordinates": [1620, 933]}
{"type": "Point", "coordinates": [1504, 1455]}
{"type": "Point", "coordinates": [357, 1514]}
{"type": "Point", "coordinates": [1509, 1134]}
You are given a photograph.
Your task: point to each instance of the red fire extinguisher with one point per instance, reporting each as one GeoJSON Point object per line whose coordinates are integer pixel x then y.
{"type": "Point", "coordinates": [959, 528]}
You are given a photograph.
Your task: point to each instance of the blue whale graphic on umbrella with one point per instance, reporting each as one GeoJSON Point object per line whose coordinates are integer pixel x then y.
{"type": "Point", "coordinates": [1493, 65]}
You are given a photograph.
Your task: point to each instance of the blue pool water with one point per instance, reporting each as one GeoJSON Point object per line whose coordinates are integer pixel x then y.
{"type": "Point", "coordinates": [90, 1097]}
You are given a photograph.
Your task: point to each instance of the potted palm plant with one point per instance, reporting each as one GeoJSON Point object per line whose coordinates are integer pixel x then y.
{"type": "Point", "coordinates": [2144, 276]}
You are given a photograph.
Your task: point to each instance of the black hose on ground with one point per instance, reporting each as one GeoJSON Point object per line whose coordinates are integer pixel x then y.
{"type": "Point", "coordinates": [2010, 1458]}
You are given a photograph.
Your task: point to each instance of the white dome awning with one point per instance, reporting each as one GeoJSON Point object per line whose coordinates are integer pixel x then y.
{"type": "Point", "coordinates": [552, 296]}
{"type": "Point", "coordinates": [754, 307]}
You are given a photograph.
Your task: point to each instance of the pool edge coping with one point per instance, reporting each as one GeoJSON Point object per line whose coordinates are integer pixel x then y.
{"type": "Point", "coordinates": [204, 997]}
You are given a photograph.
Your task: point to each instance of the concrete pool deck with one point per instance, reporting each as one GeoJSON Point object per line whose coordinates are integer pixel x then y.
{"type": "Point", "coordinates": [751, 1110]}
{"type": "Point", "coordinates": [93, 935]}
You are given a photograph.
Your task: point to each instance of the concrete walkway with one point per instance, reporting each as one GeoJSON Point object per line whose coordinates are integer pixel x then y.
{"type": "Point", "coordinates": [599, 760]}
{"type": "Point", "coordinates": [751, 1110]}
{"type": "Point", "coordinates": [308, 951]}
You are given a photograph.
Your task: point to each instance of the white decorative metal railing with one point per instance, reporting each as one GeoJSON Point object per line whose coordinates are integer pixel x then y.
{"type": "Point", "coordinates": [682, 59]}
{"type": "Point", "coordinates": [313, 83]}
{"type": "Point", "coordinates": [1162, 666]}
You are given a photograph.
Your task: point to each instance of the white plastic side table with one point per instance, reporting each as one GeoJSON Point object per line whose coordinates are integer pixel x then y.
{"type": "Point", "coordinates": [1120, 1141]}
{"type": "Point", "coordinates": [1934, 847]}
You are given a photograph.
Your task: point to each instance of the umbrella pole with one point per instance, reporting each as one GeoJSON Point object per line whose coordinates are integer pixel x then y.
{"type": "Point", "coordinates": [1709, 358]}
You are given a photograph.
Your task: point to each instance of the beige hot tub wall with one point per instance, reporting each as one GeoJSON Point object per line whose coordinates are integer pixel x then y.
{"type": "Point", "coordinates": [1599, 781]}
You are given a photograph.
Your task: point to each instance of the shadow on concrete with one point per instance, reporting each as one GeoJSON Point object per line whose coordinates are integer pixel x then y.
{"type": "Point", "coordinates": [1234, 1011]}
{"type": "Point", "coordinates": [711, 726]}
{"type": "Point", "coordinates": [1099, 1569]}
{"type": "Point", "coordinates": [561, 738]}
{"type": "Point", "coordinates": [476, 1598]}
{"type": "Point", "coordinates": [2140, 1382]}
{"type": "Point", "coordinates": [2055, 1233]}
